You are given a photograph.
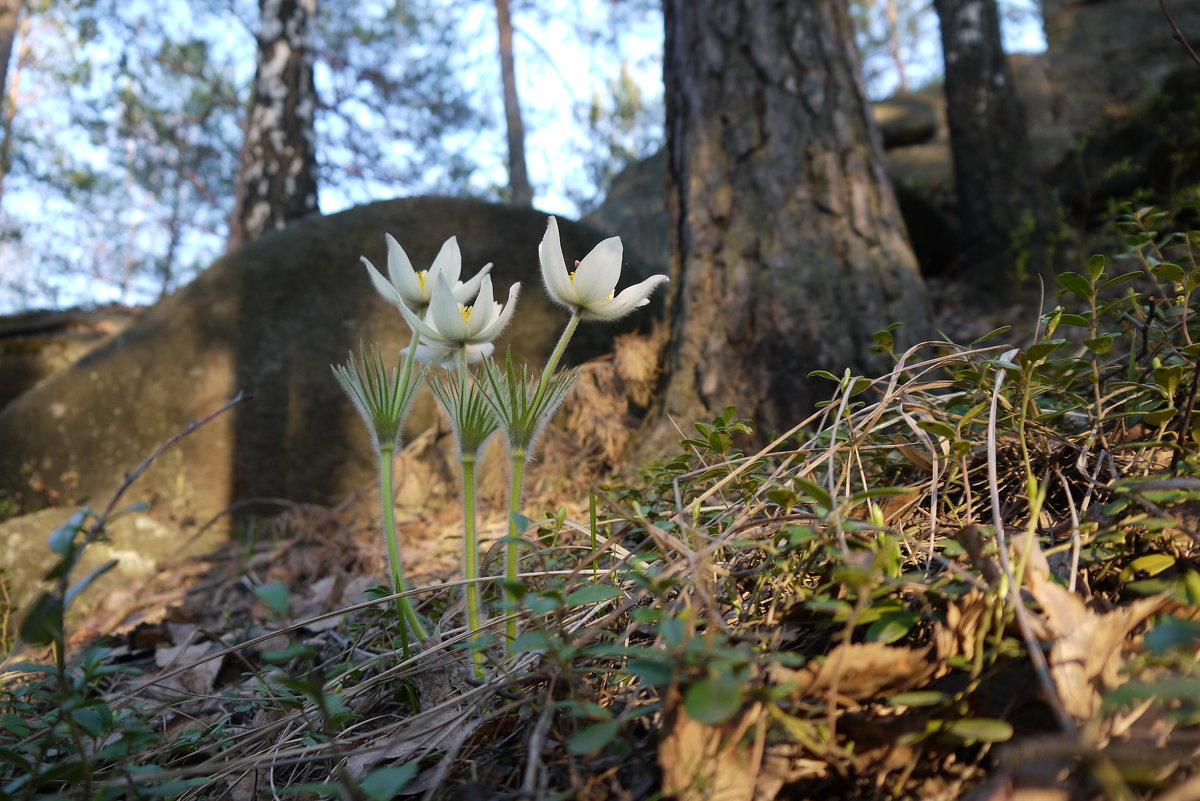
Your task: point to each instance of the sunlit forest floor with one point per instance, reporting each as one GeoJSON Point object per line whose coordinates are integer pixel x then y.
{"type": "Point", "coordinates": [973, 576]}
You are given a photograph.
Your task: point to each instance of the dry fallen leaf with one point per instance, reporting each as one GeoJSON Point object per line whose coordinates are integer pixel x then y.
{"type": "Point", "coordinates": [711, 763]}
{"type": "Point", "coordinates": [1086, 655]}
{"type": "Point", "coordinates": [859, 671]}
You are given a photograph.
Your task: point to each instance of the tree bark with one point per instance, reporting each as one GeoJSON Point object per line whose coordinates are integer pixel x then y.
{"type": "Point", "coordinates": [1004, 209]}
{"type": "Point", "coordinates": [518, 176]}
{"type": "Point", "coordinates": [10, 12]}
{"type": "Point", "coordinates": [277, 181]}
{"type": "Point", "coordinates": [788, 245]}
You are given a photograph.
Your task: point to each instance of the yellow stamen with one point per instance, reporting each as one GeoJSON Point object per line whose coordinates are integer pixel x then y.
{"type": "Point", "coordinates": [465, 311]}
{"type": "Point", "coordinates": [421, 276]}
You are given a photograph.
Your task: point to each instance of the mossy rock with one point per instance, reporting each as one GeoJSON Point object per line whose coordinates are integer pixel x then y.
{"type": "Point", "coordinates": [269, 319]}
{"type": "Point", "coordinates": [137, 542]}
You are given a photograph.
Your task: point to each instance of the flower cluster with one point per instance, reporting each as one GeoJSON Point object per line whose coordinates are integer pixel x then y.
{"type": "Point", "coordinates": [454, 324]}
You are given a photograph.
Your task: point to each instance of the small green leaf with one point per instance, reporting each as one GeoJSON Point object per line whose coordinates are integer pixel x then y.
{"type": "Point", "coordinates": [86, 581]}
{"type": "Point", "coordinates": [1102, 344]}
{"type": "Point", "coordinates": [592, 594]}
{"type": "Point", "coordinates": [1076, 284]}
{"type": "Point", "coordinates": [713, 699]}
{"type": "Point", "coordinates": [654, 672]}
{"type": "Point", "coordinates": [1096, 266]}
{"type": "Point", "coordinates": [532, 640]}
{"type": "Point", "coordinates": [1038, 352]}
{"type": "Point", "coordinates": [1150, 564]}
{"type": "Point", "coordinates": [785, 498]}
{"type": "Point", "coordinates": [980, 730]}
{"type": "Point", "coordinates": [63, 537]}
{"type": "Point", "coordinates": [1121, 279]}
{"type": "Point", "coordinates": [1160, 416]}
{"type": "Point", "coordinates": [825, 374]}
{"type": "Point", "coordinates": [1168, 378]}
{"type": "Point", "coordinates": [815, 491]}
{"type": "Point", "coordinates": [884, 339]}
{"type": "Point", "coordinates": [892, 627]}
{"type": "Point", "coordinates": [382, 784]}
{"type": "Point", "coordinates": [938, 427]}
{"type": "Point", "coordinates": [1169, 272]}
{"type": "Point", "coordinates": [278, 656]}
{"type": "Point", "coordinates": [275, 597]}
{"type": "Point", "coordinates": [919, 698]}
{"type": "Point", "coordinates": [591, 739]}
{"type": "Point", "coordinates": [995, 332]}
{"type": "Point", "coordinates": [1077, 320]}
{"type": "Point", "coordinates": [44, 622]}
{"type": "Point", "coordinates": [1171, 632]}
{"type": "Point", "coordinates": [859, 386]}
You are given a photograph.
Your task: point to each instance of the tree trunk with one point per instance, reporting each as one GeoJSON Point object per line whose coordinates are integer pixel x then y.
{"type": "Point", "coordinates": [8, 31]}
{"type": "Point", "coordinates": [895, 44]}
{"type": "Point", "coordinates": [277, 181]}
{"type": "Point", "coordinates": [518, 176]}
{"type": "Point", "coordinates": [788, 245]}
{"type": "Point", "coordinates": [1003, 207]}
{"type": "Point", "coordinates": [10, 11]}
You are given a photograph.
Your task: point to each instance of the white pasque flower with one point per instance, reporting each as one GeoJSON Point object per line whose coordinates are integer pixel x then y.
{"type": "Point", "coordinates": [444, 356]}
{"type": "Point", "coordinates": [408, 287]}
{"type": "Point", "coordinates": [450, 325]}
{"type": "Point", "coordinates": [588, 290]}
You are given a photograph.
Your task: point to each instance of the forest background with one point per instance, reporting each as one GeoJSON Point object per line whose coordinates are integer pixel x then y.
{"type": "Point", "coordinates": [122, 125]}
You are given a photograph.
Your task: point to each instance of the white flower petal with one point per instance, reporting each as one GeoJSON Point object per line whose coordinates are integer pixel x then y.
{"type": "Point", "coordinates": [596, 276]}
{"type": "Point", "coordinates": [629, 299]}
{"type": "Point", "coordinates": [554, 268]}
{"type": "Point", "coordinates": [447, 356]}
{"type": "Point", "coordinates": [483, 312]}
{"type": "Point", "coordinates": [420, 326]}
{"type": "Point", "coordinates": [465, 290]}
{"type": "Point", "coordinates": [501, 318]}
{"type": "Point", "coordinates": [404, 279]}
{"type": "Point", "coordinates": [444, 311]}
{"type": "Point", "coordinates": [448, 262]}
{"type": "Point", "coordinates": [382, 285]}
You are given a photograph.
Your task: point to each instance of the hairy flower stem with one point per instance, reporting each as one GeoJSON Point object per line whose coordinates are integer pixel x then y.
{"type": "Point", "coordinates": [410, 359]}
{"type": "Point", "coordinates": [552, 364]}
{"type": "Point", "coordinates": [406, 616]}
{"type": "Point", "coordinates": [471, 554]}
{"type": "Point", "coordinates": [512, 556]}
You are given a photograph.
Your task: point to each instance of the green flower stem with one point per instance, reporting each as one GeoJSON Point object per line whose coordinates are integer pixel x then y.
{"type": "Point", "coordinates": [512, 556]}
{"type": "Point", "coordinates": [407, 616]}
{"type": "Point", "coordinates": [471, 552]}
{"type": "Point", "coordinates": [410, 359]}
{"type": "Point", "coordinates": [567, 333]}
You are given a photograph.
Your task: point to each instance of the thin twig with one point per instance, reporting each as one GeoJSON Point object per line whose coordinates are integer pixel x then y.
{"type": "Point", "coordinates": [1178, 33]}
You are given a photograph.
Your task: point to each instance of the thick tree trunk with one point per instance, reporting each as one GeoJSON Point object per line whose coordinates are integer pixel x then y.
{"type": "Point", "coordinates": [277, 181]}
{"type": "Point", "coordinates": [518, 176]}
{"type": "Point", "coordinates": [789, 248]}
{"type": "Point", "coordinates": [1003, 207]}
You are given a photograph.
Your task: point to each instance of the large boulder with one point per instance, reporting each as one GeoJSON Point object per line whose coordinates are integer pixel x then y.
{"type": "Point", "coordinates": [1151, 152]}
{"type": "Point", "coordinates": [269, 319]}
{"type": "Point", "coordinates": [1106, 56]}
{"type": "Point", "coordinates": [35, 345]}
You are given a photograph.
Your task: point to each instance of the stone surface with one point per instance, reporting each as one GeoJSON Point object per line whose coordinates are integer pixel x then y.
{"type": "Point", "coordinates": [906, 119]}
{"type": "Point", "coordinates": [269, 318]}
{"type": "Point", "coordinates": [139, 543]}
{"type": "Point", "coordinates": [1151, 152]}
{"type": "Point", "coordinates": [35, 345]}
{"type": "Point", "coordinates": [1108, 55]}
